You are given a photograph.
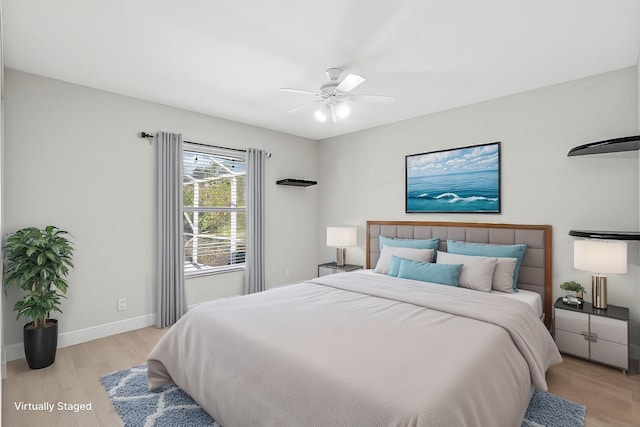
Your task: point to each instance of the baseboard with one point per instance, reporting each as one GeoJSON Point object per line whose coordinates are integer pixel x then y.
{"type": "Point", "coordinates": [66, 339]}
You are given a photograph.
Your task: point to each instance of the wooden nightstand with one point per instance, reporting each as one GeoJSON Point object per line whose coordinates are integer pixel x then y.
{"type": "Point", "coordinates": [331, 268]}
{"type": "Point", "coordinates": [590, 333]}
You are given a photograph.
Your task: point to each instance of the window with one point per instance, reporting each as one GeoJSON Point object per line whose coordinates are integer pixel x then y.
{"type": "Point", "coordinates": [214, 183]}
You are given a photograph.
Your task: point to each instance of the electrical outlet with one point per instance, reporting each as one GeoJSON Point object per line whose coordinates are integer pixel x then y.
{"type": "Point", "coordinates": [122, 304]}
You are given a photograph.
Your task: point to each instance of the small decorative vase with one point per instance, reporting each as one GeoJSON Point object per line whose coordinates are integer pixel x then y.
{"type": "Point", "coordinates": [572, 298]}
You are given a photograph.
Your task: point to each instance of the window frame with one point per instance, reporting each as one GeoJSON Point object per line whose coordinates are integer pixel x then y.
{"type": "Point", "coordinates": [220, 152]}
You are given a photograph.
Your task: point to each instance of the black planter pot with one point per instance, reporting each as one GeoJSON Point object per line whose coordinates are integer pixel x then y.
{"type": "Point", "coordinates": [40, 344]}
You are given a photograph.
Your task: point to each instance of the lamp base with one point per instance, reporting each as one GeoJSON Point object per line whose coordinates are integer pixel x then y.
{"type": "Point", "coordinates": [341, 257]}
{"type": "Point", "coordinates": [599, 291]}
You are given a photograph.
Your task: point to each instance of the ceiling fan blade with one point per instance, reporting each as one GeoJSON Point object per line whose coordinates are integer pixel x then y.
{"type": "Point", "coordinates": [304, 106]}
{"type": "Point", "coordinates": [302, 91]}
{"type": "Point", "coordinates": [349, 83]}
{"type": "Point", "coordinates": [375, 99]}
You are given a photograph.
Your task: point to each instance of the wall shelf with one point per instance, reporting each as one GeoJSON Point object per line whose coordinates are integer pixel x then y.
{"type": "Point", "coordinates": [296, 182]}
{"type": "Point", "coordinates": [606, 235]}
{"type": "Point", "coordinates": [616, 145]}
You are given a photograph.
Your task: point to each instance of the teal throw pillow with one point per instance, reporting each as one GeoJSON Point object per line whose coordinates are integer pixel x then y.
{"type": "Point", "coordinates": [394, 267]}
{"type": "Point", "coordinates": [444, 274]}
{"type": "Point", "coordinates": [409, 243]}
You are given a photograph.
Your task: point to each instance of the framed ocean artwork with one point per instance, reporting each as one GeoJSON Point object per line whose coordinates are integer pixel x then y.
{"type": "Point", "coordinates": [458, 180]}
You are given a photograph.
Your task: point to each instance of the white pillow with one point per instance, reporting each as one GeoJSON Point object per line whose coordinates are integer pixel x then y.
{"type": "Point", "coordinates": [384, 262]}
{"type": "Point", "coordinates": [477, 271]}
{"type": "Point", "coordinates": [503, 275]}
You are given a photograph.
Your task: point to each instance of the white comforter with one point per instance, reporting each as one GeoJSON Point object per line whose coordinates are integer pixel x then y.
{"type": "Point", "coordinates": [358, 349]}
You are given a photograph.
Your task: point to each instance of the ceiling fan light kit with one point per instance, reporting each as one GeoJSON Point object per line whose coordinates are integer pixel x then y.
{"type": "Point", "coordinates": [342, 110]}
{"type": "Point", "coordinates": [320, 115]}
{"type": "Point", "coordinates": [334, 96]}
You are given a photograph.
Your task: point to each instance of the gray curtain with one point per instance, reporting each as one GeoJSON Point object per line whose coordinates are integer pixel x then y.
{"type": "Point", "coordinates": [254, 268]}
{"type": "Point", "coordinates": [171, 300]}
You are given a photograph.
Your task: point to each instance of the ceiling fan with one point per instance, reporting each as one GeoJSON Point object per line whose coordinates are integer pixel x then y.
{"type": "Point", "coordinates": [334, 95]}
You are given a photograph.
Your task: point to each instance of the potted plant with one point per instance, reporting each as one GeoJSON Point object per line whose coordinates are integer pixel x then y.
{"type": "Point", "coordinates": [574, 287]}
{"type": "Point", "coordinates": [37, 261]}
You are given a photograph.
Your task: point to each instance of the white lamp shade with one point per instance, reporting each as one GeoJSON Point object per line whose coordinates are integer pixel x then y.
{"type": "Point", "coordinates": [341, 237]}
{"type": "Point", "coordinates": [600, 256]}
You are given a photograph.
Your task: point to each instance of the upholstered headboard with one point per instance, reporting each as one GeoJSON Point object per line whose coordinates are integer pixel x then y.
{"type": "Point", "coordinates": [535, 273]}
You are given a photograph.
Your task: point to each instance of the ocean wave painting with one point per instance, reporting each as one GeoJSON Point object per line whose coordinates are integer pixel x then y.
{"type": "Point", "coordinates": [459, 180]}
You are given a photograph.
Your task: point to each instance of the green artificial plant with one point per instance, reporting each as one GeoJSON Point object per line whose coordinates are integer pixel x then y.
{"type": "Point", "coordinates": [573, 287]}
{"type": "Point", "coordinates": [38, 261]}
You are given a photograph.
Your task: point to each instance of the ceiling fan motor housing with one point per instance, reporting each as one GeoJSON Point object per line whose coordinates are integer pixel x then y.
{"type": "Point", "coordinates": [328, 90]}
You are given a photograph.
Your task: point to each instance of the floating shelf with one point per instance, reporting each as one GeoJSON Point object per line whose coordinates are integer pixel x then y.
{"type": "Point", "coordinates": [296, 182]}
{"type": "Point", "coordinates": [607, 235]}
{"type": "Point", "coordinates": [616, 145]}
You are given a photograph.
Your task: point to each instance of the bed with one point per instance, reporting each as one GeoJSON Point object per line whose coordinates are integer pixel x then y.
{"type": "Point", "coordinates": [370, 349]}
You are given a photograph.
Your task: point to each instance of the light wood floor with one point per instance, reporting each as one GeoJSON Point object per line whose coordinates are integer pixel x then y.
{"type": "Point", "coordinates": [612, 398]}
{"type": "Point", "coordinates": [74, 378]}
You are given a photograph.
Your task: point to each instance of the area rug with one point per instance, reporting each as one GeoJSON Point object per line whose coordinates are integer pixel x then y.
{"type": "Point", "coordinates": [172, 407]}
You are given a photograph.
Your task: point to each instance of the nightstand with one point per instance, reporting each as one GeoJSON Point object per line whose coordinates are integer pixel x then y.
{"type": "Point", "coordinates": [331, 268]}
{"type": "Point", "coordinates": [591, 333]}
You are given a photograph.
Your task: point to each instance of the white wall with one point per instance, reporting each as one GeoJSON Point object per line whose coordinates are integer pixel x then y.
{"type": "Point", "coordinates": [362, 174]}
{"type": "Point", "coordinates": [73, 159]}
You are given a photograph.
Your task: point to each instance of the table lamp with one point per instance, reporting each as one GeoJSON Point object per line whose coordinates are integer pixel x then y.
{"type": "Point", "coordinates": [340, 238]}
{"type": "Point", "coordinates": [600, 257]}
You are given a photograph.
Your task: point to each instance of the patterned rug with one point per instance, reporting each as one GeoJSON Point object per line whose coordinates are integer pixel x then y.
{"type": "Point", "coordinates": [172, 407]}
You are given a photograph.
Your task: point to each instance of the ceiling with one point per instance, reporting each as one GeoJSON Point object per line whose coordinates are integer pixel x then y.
{"type": "Point", "coordinates": [228, 58]}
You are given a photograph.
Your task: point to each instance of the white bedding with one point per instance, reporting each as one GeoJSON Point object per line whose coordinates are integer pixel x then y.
{"type": "Point", "coordinates": [531, 298]}
{"type": "Point", "coordinates": [358, 349]}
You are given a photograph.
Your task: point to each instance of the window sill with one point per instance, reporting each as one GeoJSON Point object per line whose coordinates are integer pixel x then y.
{"type": "Point", "coordinates": [213, 270]}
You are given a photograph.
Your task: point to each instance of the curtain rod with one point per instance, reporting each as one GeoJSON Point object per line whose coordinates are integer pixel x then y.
{"type": "Point", "coordinates": [144, 134]}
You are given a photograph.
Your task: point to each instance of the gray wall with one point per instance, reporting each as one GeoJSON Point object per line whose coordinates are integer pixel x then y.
{"type": "Point", "coordinates": [362, 174]}
{"type": "Point", "coordinates": [73, 159]}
